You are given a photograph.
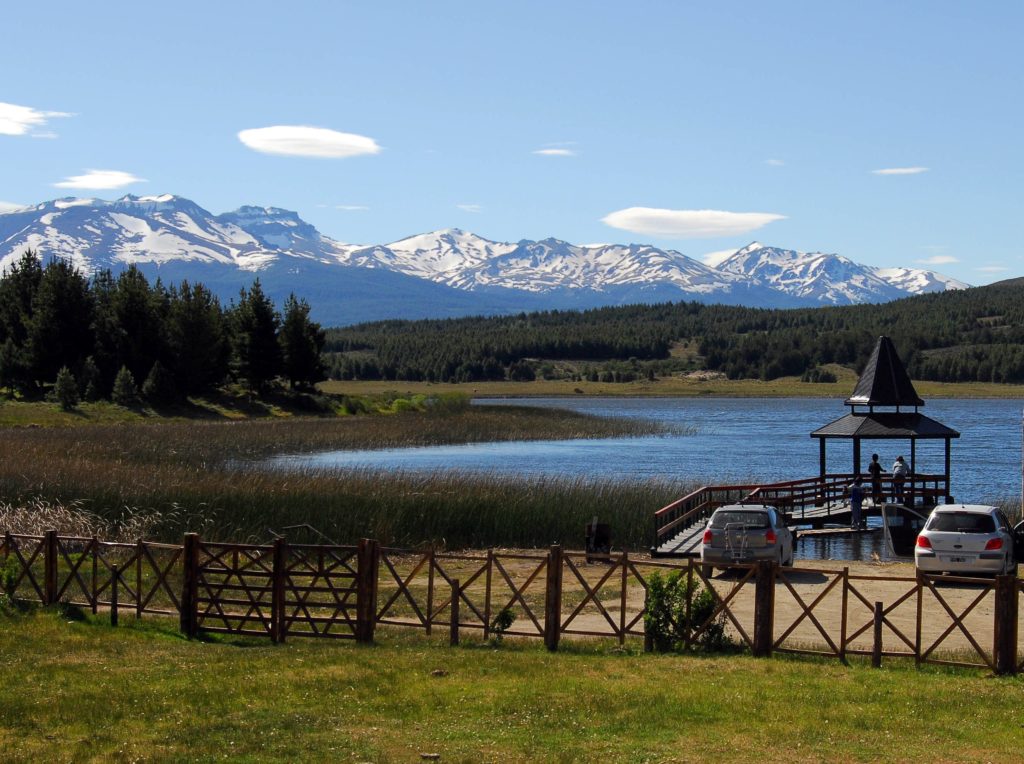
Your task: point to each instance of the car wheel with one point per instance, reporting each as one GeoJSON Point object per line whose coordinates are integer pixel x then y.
{"type": "Point", "coordinates": [789, 563]}
{"type": "Point", "coordinates": [707, 571]}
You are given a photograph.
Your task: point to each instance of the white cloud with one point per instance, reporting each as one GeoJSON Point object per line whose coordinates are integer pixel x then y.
{"type": "Point", "coordinates": [100, 179]}
{"type": "Point", "coordinates": [900, 171]}
{"type": "Point", "coordinates": [555, 152]}
{"type": "Point", "coordinates": [992, 268]}
{"type": "Point", "coordinates": [938, 260]}
{"type": "Point", "coordinates": [301, 141]}
{"type": "Point", "coordinates": [716, 258]}
{"type": "Point", "coordinates": [9, 207]}
{"type": "Point", "coordinates": [688, 224]}
{"type": "Point", "coordinates": [351, 207]}
{"type": "Point", "coordinates": [19, 120]}
{"type": "Point", "coordinates": [774, 162]}
{"type": "Point", "coordinates": [470, 207]}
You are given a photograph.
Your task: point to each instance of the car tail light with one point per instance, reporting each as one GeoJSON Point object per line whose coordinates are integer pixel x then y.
{"type": "Point", "coordinates": [769, 537]}
{"type": "Point", "coordinates": [707, 536]}
{"type": "Point", "coordinates": [993, 544]}
{"type": "Point", "coordinates": [923, 542]}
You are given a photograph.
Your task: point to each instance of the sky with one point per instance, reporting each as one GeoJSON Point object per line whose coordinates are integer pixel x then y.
{"type": "Point", "coordinates": [888, 132]}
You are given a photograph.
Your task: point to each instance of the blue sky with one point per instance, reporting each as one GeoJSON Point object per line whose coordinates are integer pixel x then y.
{"type": "Point", "coordinates": [696, 126]}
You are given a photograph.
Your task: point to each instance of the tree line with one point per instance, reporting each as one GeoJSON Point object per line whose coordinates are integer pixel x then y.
{"type": "Point", "coordinates": [968, 335]}
{"type": "Point", "coordinates": [114, 337]}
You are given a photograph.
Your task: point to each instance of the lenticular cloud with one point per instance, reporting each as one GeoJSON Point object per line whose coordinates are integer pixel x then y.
{"type": "Point", "coordinates": [300, 141]}
{"type": "Point", "coordinates": [690, 224]}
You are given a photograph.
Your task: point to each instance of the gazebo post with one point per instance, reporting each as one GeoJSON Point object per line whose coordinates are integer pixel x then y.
{"type": "Point", "coordinates": [821, 458]}
{"type": "Point", "coordinates": [945, 472]}
{"type": "Point", "coordinates": [913, 467]}
{"type": "Point", "coordinates": [856, 457]}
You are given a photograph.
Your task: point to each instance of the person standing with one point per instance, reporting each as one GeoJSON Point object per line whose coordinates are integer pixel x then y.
{"type": "Point", "coordinates": [899, 477]}
{"type": "Point", "coordinates": [875, 473]}
{"type": "Point", "coordinates": [856, 505]}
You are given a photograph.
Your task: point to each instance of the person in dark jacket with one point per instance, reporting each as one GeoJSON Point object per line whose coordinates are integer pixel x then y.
{"type": "Point", "coordinates": [875, 473]}
{"type": "Point", "coordinates": [857, 522]}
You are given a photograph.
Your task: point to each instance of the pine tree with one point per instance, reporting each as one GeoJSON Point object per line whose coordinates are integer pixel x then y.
{"type": "Point", "coordinates": [198, 339]}
{"type": "Point", "coordinates": [257, 354]}
{"type": "Point", "coordinates": [89, 380]}
{"type": "Point", "coordinates": [65, 389]}
{"type": "Point", "coordinates": [126, 392]}
{"type": "Point", "coordinates": [159, 385]}
{"type": "Point", "coordinates": [302, 343]}
{"type": "Point", "coordinates": [60, 329]}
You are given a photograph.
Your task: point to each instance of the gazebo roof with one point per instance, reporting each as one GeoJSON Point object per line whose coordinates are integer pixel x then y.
{"type": "Point", "coordinates": [886, 425]}
{"type": "Point", "coordinates": [884, 381]}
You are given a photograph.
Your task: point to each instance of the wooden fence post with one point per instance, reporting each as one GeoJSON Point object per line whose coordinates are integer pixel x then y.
{"type": "Point", "coordinates": [94, 598]}
{"type": "Point", "coordinates": [277, 591]}
{"type": "Point", "coordinates": [876, 646]}
{"type": "Point", "coordinates": [487, 594]}
{"type": "Point", "coordinates": [764, 608]}
{"type": "Point", "coordinates": [139, 551]}
{"type": "Point", "coordinates": [1004, 648]}
{"type": "Point", "coordinates": [430, 590]}
{"type": "Point", "coordinates": [553, 599]}
{"type": "Point", "coordinates": [115, 574]}
{"type": "Point", "coordinates": [453, 636]}
{"type": "Point", "coordinates": [366, 589]}
{"type": "Point", "coordinates": [190, 585]}
{"type": "Point", "coordinates": [50, 567]}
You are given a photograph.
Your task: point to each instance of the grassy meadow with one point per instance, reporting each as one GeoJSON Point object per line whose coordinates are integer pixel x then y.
{"type": "Point", "coordinates": [175, 476]}
{"type": "Point", "coordinates": [692, 385]}
{"type": "Point", "coordinates": [85, 691]}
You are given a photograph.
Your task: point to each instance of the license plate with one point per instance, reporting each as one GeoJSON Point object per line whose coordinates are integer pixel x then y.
{"type": "Point", "coordinates": [957, 559]}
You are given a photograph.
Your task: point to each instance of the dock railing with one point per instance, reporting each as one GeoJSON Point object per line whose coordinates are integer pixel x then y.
{"type": "Point", "coordinates": [794, 498]}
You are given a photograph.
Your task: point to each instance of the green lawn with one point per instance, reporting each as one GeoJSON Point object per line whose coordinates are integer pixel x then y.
{"type": "Point", "coordinates": [78, 690]}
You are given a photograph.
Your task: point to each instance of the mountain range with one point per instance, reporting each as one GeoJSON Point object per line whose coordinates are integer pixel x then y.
{"type": "Point", "coordinates": [444, 273]}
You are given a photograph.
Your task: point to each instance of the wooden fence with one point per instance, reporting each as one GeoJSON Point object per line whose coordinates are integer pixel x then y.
{"type": "Point", "coordinates": [283, 590]}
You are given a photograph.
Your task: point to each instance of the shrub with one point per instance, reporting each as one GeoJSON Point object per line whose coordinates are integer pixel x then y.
{"type": "Point", "coordinates": [126, 392]}
{"type": "Point", "coordinates": [65, 390]}
{"type": "Point", "coordinates": [159, 385]}
{"type": "Point", "coordinates": [666, 622]}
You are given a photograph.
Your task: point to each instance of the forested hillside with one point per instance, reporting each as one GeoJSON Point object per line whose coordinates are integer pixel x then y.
{"type": "Point", "coordinates": [969, 335]}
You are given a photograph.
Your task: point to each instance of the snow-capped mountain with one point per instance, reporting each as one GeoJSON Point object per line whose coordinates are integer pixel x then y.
{"type": "Point", "coordinates": [828, 278]}
{"type": "Point", "coordinates": [439, 274]}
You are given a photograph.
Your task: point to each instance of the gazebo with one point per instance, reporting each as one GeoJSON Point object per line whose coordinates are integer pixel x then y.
{"type": "Point", "coordinates": [885, 384]}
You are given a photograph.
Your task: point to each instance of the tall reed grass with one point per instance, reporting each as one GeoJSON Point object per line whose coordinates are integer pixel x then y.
{"type": "Point", "coordinates": [187, 476]}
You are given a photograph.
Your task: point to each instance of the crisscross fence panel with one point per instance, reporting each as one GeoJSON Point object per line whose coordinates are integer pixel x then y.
{"type": "Point", "coordinates": [820, 606]}
{"type": "Point", "coordinates": [958, 621]}
{"type": "Point", "coordinates": [319, 591]}
{"type": "Point", "coordinates": [234, 584]}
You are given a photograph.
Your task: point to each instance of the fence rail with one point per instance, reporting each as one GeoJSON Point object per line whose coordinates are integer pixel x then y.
{"type": "Point", "coordinates": [287, 590]}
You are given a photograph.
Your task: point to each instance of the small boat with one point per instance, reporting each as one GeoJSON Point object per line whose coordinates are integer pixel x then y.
{"type": "Point", "coordinates": [902, 524]}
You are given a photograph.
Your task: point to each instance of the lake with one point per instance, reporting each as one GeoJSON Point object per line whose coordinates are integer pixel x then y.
{"type": "Point", "coordinates": [727, 440]}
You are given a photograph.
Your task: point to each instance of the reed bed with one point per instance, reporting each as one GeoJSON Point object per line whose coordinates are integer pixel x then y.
{"type": "Point", "coordinates": [187, 477]}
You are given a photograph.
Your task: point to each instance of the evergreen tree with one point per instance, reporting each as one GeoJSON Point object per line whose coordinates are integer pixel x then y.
{"type": "Point", "coordinates": [257, 354]}
{"type": "Point", "coordinates": [65, 389]}
{"type": "Point", "coordinates": [138, 312]}
{"type": "Point", "coordinates": [89, 380]}
{"type": "Point", "coordinates": [18, 288]}
{"type": "Point", "coordinates": [159, 385]}
{"type": "Point", "coordinates": [198, 339]}
{"type": "Point", "coordinates": [126, 392]}
{"type": "Point", "coordinates": [60, 329]}
{"type": "Point", "coordinates": [302, 343]}
{"type": "Point", "coordinates": [13, 366]}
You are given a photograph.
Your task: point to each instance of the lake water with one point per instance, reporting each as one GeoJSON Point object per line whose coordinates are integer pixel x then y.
{"type": "Point", "coordinates": [727, 440]}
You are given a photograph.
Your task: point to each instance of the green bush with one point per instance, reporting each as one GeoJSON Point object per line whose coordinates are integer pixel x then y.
{"type": "Point", "coordinates": [126, 392]}
{"type": "Point", "coordinates": [65, 390]}
{"type": "Point", "coordinates": [666, 621]}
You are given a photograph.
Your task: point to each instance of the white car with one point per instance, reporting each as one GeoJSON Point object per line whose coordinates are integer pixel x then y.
{"type": "Point", "coordinates": [966, 539]}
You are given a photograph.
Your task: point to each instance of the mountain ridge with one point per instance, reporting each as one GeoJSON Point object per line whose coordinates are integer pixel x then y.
{"type": "Point", "coordinates": [444, 273]}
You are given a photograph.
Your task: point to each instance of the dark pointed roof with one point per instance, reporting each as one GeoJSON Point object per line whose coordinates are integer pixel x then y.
{"type": "Point", "coordinates": [883, 425]}
{"type": "Point", "coordinates": [884, 381]}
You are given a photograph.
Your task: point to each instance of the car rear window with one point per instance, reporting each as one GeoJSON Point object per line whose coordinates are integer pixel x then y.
{"type": "Point", "coordinates": [961, 522]}
{"type": "Point", "coordinates": [746, 519]}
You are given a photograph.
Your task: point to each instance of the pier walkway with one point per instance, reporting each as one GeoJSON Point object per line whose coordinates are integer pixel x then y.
{"type": "Point", "coordinates": [814, 502]}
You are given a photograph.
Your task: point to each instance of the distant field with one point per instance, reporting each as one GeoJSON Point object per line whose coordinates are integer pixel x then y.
{"type": "Point", "coordinates": [81, 691]}
{"type": "Point", "coordinates": [675, 386]}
